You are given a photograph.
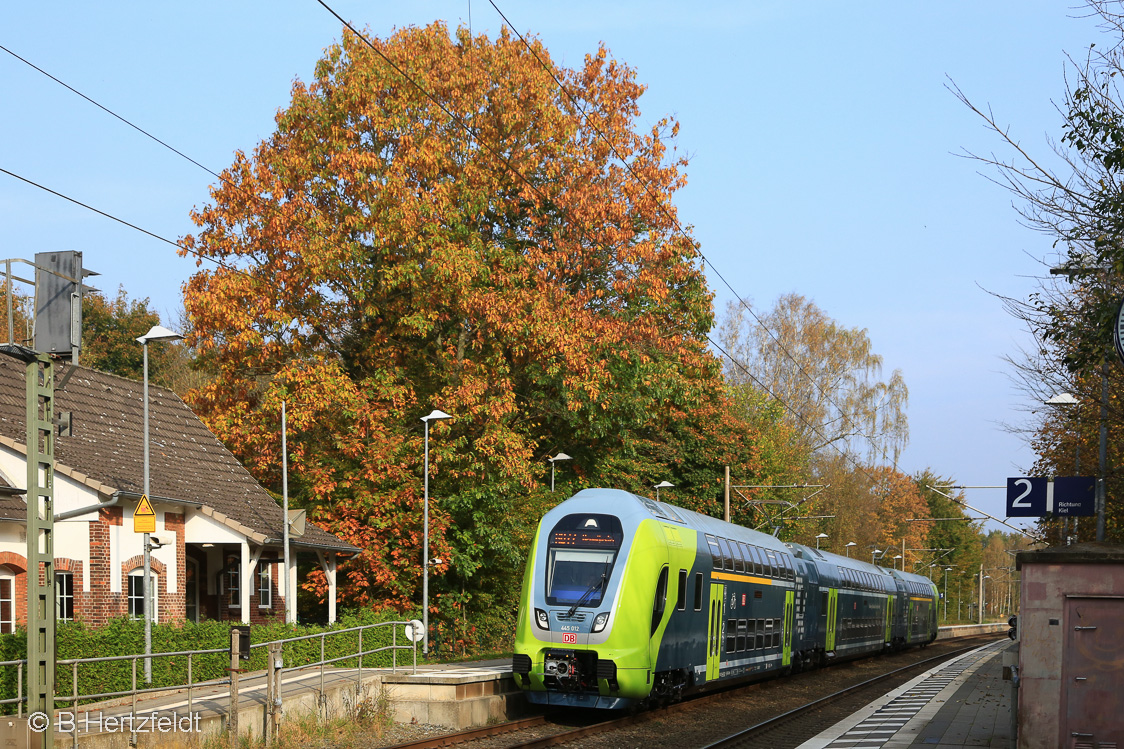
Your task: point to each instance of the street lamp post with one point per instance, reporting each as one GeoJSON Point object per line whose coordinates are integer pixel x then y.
{"type": "Point", "coordinates": [818, 537]}
{"type": "Point", "coordinates": [848, 547]}
{"type": "Point", "coordinates": [425, 534]}
{"type": "Point", "coordinates": [662, 485]}
{"type": "Point", "coordinates": [874, 555]}
{"type": "Point", "coordinates": [559, 456]}
{"type": "Point", "coordinates": [1069, 399]}
{"type": "Point", "coordinates": [946, 569]}
{"type": "Point", "coordinates": [157, 333]}
{"type": "Point", "coordinates": [896, 558]}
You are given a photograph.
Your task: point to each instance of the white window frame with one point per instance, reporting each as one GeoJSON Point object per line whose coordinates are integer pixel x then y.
{"type": "Point", "coordinates": [232, 583]}
{"type": "Point", "coordinates": [154, 582]}
{"type": "Point", "coordinates": [265, 585]}
{"type": "Point", "coordinates": [8, 626]}
{"type": "Point", "coordinates": [61, 594]}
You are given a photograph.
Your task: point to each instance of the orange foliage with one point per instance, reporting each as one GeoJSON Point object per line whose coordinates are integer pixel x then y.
{"type": "Point", "coordinates": [515, 275]}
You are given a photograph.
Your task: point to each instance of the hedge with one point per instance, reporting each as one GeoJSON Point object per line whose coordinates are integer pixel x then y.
{"type": "Point", "coordinates": [126, 637]}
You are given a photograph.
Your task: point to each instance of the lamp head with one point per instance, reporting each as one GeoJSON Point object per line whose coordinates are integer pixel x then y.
{"type": "Point", "coordinates": [159, 333]}
{"type": "Point", "coordinates": [436, 415]}
{"type": "Point", "coordinates": [560, 456]}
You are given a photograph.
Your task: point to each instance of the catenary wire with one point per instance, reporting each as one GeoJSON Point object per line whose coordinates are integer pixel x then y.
{"type": "Point", "coordinates": [122, 221]}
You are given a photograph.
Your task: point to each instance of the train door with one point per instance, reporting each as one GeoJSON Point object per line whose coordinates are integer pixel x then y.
{"type": "Point", "coordinates": [832, 611]}
{"type": "Point", "coordinates": [889, 619]}
{"type": "Point", "coordinates": [789, 606]}
{"type": "Point", "coordinates": [714, 629]}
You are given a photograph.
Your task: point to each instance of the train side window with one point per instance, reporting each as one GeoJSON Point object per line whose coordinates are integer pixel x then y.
{"type": "Point", "coordinates": [760, 635]}
{"type": "Point", "coordinates": [790, 569]}
{"type": "Point", "coordinates": [660, 603]}
{"type": "Point", "coordinates": [741, 635]}
{"type": "Point", "coordinates": [773, 571]}
{"type": "Point", "coordinates": [739, 563]}
{"type": "Point", "coordinates": [727, 557]}
{"type": "Point", "coordinates": [681, 601]}
{"type": "Point", "coordinates": [777, 633]}
{"type": "Point", "coordinates": [698, 591]}
{"type": "Point", "coordinates": [715, 553]}
{"type": "Point", "coordinates": [731, 635]}
{"type": "Point", "coordinates": [747, 555]}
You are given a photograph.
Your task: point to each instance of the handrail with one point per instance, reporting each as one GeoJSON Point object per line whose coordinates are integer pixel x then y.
{"type": "Point", "coordinates": [74, 698]}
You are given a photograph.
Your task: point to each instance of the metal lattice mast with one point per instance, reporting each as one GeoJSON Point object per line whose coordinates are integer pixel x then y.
{"type": "Point", "coordinates": [41, 540]}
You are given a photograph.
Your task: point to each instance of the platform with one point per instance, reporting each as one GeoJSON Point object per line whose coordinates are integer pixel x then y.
{"type": "Point", "coordinates": [964, 703]}
{"type": "Point", "coordinates": [454, 695]}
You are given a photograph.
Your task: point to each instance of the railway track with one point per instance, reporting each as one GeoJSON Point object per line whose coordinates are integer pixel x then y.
{"type": "Point", "coordinates": [547, 730]}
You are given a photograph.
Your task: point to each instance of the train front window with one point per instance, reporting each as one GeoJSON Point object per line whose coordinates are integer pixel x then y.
{"type": "Point", "coordinates": [578, 576]}
{"type": "Point", "coordinates": [581, 551]}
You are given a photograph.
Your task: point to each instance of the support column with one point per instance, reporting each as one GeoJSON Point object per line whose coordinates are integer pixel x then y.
{"type": "Point", "coordinates": [328, 565]}
{"type": "Point", "coordinates": [41, 540]}
{"type": "Point", "coordinates": [245, 580]}
{"type": "Point", "coordinates": [332, 595]}
{"type": "Point", "coordinates": [291, 606]}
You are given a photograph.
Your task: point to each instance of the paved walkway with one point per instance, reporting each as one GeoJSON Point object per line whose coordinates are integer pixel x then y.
{"type": "Point", "coordinates": [964, 703]}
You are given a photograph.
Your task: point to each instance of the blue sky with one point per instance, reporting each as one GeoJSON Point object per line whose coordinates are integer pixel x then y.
{"type": "Point", "coordinates": [821, 136]}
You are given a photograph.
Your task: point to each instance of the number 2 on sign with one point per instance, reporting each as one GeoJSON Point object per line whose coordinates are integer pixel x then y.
{"type": "Point", "coordinates": [569, 638]}
{"type": "Point", "coordinates": [1019, 499]}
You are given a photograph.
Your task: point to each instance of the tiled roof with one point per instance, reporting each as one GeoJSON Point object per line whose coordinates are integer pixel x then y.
{"type": "Point", "coordinates": [106, 450]}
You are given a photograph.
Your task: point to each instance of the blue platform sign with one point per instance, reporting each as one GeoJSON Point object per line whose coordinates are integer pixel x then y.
{"type": "Point", "coordinates": [1075, 496]}
{"type": "Point", "coordinates": [1035, 497]}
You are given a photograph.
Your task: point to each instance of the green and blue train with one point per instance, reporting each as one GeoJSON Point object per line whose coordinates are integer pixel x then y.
{"type": "Point", "coordinates": [628, 601]}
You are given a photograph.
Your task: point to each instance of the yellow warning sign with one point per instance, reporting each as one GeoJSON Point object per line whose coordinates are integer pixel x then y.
{"type": "Point", "coordinates": [144, 517]}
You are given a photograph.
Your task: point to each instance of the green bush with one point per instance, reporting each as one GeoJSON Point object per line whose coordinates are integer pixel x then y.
{"type": "Point", "coordinates": [126, 637]}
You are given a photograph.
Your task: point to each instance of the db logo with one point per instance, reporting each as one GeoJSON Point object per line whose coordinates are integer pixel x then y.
{"type": "Point", "coordinates": [569, 638]}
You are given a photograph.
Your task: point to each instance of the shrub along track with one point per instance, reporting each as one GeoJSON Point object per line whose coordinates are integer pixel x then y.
{"type": "Point", "coordinates": [703, 720]}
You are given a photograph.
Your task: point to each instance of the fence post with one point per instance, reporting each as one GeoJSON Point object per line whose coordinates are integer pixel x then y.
{"type": "Point", "coordinates": [189, 683]}
{"type": "Point", "coordinates": [323, 698]}
{"type": "Point", "coordinates": [359, 682]}
{"type": "Point", "coordinates": [74, 704]}
{"type": "Point", "coordinates": [276, 666]}
{"type": "Point", "coordinates": [393, 649]}
{"type": "Point", "coordinates": [19, 690]}
{"type": "Point", "coordinates": [268, 732]}
{"type": "Point", "coordinates": [134, 708]}
{"type": "Point", "coordinates": [232, 711]}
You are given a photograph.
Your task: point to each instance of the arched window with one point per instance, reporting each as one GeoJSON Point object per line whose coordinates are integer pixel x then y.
{"type": "Point", "coordinates": [136, 594]}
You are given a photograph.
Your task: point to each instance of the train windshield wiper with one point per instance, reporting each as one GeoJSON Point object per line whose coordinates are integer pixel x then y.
{"type": "Point", "coordinates": [585, 596]}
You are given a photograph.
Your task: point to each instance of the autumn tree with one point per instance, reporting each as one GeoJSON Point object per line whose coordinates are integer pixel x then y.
{"type": "Point", "coordinates": [827, 376]}
{"type": "Point", "coordinates": [951, 530]}
{"type": "Point", "coordinates": [21, 314]}
{"type": "Point", "coordinates": [435, 223]}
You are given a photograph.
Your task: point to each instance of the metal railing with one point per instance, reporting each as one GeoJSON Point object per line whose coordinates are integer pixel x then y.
{"type": "Point", "coordinates": [75, 697]}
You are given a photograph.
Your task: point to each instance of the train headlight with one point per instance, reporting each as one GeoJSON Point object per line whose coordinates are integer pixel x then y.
{"type": "Point", "coordinates": [600, 622]}
{"type": "Point", "coordinates": [541, 619]}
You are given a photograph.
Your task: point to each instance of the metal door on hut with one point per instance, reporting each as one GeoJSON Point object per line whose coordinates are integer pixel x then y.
{"type": "Point", "coordinates": [1093, 673]}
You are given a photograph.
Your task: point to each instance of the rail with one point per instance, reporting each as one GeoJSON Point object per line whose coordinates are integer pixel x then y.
{"type": "Point", "coordinates": [191, 685]}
